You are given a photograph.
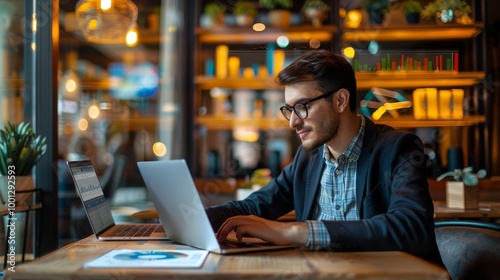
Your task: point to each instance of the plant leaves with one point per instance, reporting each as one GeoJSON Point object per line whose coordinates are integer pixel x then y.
{"type": "Point", "coordinates": [20, 146]}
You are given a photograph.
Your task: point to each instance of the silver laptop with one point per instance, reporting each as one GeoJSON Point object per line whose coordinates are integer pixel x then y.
{"type": "Point", "coordinates": [98, 209]}
{"type": "Point", "coordinates": [181, 211]}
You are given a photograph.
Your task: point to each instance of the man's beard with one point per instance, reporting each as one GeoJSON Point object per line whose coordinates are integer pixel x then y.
{"type": "Point", "coordinates": [323, 133]}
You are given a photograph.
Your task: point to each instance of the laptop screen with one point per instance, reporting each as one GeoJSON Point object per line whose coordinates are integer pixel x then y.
{"type": "Point", "coordinates": [93, 200]}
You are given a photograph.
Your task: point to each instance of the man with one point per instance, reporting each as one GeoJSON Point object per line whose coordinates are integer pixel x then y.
{"type": "Point", "coordinates": [354, 185]}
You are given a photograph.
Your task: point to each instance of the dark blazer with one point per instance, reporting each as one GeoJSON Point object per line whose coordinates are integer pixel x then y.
{"type": "Point", "coordinates": [395, 208]}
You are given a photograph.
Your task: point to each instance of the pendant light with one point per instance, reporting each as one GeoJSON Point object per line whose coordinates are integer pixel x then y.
{"type": "Point", "coordinates": [106, 21]}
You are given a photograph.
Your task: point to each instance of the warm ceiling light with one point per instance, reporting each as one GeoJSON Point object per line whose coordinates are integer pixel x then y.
{"type": "Point", "coordinates": [132, 37]}
{"type": "Point", "coordinates": [106, 21]}
{"type": "Point", "coordinates": [71, 84]}
{"type": "Point", "coordinates": [83, 124]}
{"type": "Point", "coordinates": [94, 111]}
{"type": "Point", "coordinates": [159, 149]}
{"type": "Point", "coordinates": [106, 5]}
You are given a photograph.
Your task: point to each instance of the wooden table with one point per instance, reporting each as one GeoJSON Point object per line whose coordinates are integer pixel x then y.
{"type": "Point", "coordinates": [488, 210]}
{"type": "Point", "coordinates": [67, 263]}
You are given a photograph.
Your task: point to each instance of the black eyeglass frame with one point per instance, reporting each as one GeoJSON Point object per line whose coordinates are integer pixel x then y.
{"type": "Point", "coordinates": [289, 109]}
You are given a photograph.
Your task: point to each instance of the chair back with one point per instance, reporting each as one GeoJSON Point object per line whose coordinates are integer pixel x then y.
{"type": "Point", "coordinates": [469, 249]}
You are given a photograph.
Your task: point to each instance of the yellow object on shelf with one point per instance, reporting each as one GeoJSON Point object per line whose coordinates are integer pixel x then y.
{"type": "Point", "coordinates": [234, 66]}
{"type": "Point", "coordinates": [432, 103]}
{"type": "Point", "coordinates": [221, 61]}
{"type": "Point", "coordinates": [419, 99]}
{"type": "Point", "coordinates": [279, 61]}
{"type": "Point", "coordinates": [248, 73]}
{"type": "Point", "coordinates": [428, 103]}
{"type": "Point", "coordinates": [458, 103]}
{"type": "Point", "coordinates": [262, 71]}
{"type": "Point", "coordinates": [445, 104]}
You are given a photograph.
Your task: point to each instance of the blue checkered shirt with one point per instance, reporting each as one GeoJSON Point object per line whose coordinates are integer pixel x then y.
{"type": "Point", "coordinates": [337, 197]}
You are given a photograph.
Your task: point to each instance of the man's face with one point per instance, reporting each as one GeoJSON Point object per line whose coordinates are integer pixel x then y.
{"type": "Point", "coordinates": [322, 122]}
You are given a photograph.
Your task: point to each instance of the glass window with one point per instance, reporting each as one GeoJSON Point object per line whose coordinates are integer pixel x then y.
{"type": "Point", "coordinates": [119, 100]}
{"type": "Point", "coordinates": [11, 61]}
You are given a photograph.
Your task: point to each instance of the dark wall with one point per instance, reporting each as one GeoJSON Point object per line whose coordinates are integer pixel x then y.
{"type": "Point", "coordinates": [492, 83]}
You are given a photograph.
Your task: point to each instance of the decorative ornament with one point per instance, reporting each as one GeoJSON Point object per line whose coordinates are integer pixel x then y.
{"type": "Point", "coordinates": [382, 101]}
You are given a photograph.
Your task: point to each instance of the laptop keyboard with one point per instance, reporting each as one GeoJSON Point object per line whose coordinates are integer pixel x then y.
{"type": "Point", "coordinates": [135, 230]}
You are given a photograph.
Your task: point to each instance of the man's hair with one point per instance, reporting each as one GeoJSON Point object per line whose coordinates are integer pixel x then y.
{"type": "Point", "coordinates": [329, 70]}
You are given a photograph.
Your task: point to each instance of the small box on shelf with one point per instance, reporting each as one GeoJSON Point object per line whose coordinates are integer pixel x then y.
{"type": "Point", "coordinates": [459, 196]}
{"type": "Point", "coordinates": [429, 103]}
{"type": "Point", "coordinates": [463, 192]}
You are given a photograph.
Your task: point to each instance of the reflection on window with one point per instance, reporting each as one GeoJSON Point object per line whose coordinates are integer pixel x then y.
{"type": "Point", "coordinates": [118, 104]}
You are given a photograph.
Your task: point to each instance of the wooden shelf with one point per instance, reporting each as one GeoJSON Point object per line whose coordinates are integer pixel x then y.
{"type": "Point", "coordinates": [230, 123]}
{"type": "Point", "coordinates": [407, 80]}
{"type": "Point", "coordinates": [233, 35]}
{"type": "Point", "coordinates": [418, 32]}
{"type": "Point", "coordinates": [410, 122]}
{"type": "Point", "coordinates": [365, 80]}
{"type": "Point", "coordinates": [205, 82]}
{"type": "Point", "coordinates": [85, 84]}
{"type": "Point", "coordinates": [94, 84]}
{"type": "Point", "coordinates": [137, 124]}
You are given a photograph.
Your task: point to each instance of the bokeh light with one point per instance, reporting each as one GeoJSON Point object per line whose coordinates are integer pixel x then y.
{"type": "Point", "coordinates": [282, 41]}
{"type": "Point", "coordinates": [349, 52]}
{"type": "Point", "coordinates": [314, 43]}
{"type": "Point", "coordinates": [373, 47]}
{"type": "Point", "coordinates": [83, 124]}
{"type": "Point", "coordinates": [159, 149]}
{"type": "Point", "coordinates": [94, 111]}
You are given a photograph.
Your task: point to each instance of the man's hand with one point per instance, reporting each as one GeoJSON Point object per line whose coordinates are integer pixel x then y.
{"type": "Point", "coordinates": [280, 233]}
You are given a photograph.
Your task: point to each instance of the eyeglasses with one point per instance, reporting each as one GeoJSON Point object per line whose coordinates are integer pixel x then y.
{"type": "Point", "coordinates": [300, 108]}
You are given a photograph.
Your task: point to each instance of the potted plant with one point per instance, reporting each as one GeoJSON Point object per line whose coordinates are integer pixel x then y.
{"type": "Point", "coordinates": [214, 14]}
{"type": "Point", "coordinates": [462, 193]}
{"type": "Point", "coordinates": [279, 14]}
{"type": "Point", "coordinates": [245, 12]}
{"type": "Point", "coordinates": [412, 10]}
{"type": "Point", "coordinates": [276, 4]}
{"type": "Point", "coordinates": [20, 150]}
{"type": "Point", "coordinates": [315, 11]}
{"type": "Point", "coordinates": [447, 11]}
{"type": "Point", "coordinates": [376, 10]}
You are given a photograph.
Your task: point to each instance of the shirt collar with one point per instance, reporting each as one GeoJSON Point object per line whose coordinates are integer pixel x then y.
{"type": "Point", "coordinates": [352, 152]}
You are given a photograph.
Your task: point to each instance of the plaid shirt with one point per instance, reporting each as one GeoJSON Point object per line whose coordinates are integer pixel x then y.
{"type": "Point", "coordinates": [337, 197]}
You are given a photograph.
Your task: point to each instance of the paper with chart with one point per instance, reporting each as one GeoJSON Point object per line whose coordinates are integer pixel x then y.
{"type": "Point", "coordinates": [123, 258]}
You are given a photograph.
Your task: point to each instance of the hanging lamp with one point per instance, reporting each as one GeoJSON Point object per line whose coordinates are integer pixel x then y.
{"type": "Point", "coordinates": [106, 21]}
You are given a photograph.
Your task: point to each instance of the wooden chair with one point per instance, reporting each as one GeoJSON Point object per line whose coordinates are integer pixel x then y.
{"type": "Point", "coordinates": [469, 249]}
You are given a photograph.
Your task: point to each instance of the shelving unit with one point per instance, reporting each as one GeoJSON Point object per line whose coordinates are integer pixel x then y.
{"type": "Point", "coordinates": [214, 130]}
{"type": "Point", "coordinates": [242, 35]}
{"type": "Point", "coordinates": [393, 36]}
{"type": "Point", "coordinates": [410, 122]}
{"type": "Point", "coordinates": [365, 80]}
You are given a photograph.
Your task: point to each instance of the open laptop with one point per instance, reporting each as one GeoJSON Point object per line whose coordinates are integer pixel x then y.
{"type": "Point", "coordinates": [98, 209]}
{"type": "Point", "coordinates": [181, 211]}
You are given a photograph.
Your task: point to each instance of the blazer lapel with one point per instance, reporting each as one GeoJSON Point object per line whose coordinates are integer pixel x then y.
{"type": "Point", "coordinates": [313, 181]}
{"type": "Point", "coordinates": [363, 164]}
